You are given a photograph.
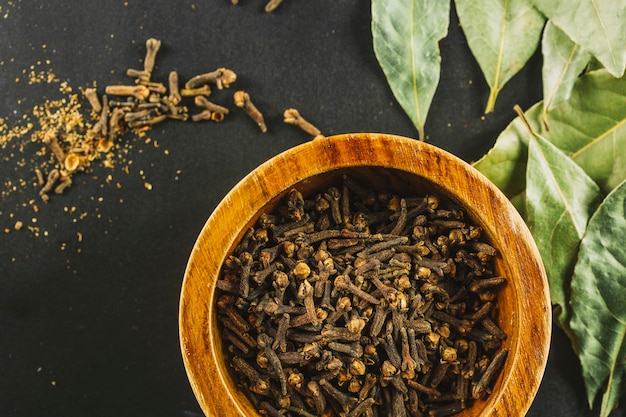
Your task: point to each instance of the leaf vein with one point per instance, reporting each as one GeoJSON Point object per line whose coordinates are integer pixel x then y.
{"type": "Point", "coordinates": [556, 86]}
{"type": "Point", "coordinates": [496, 81]}
{"type": "Point", "coordinates": [554, 229]}
{"type": "Point", "coordinates": [562, 197]}
{"type": "Point", "coordinates": [413, 69]}
{"type": "Point", "coordinates": [598, 139]}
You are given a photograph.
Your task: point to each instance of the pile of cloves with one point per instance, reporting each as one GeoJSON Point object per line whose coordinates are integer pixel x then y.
{"type": "Point", "coordinates": [148, 102]}
{"type": "Point", "coordinates": [352, 303]}
{"type": "Point", "coordinates": [138, 106]}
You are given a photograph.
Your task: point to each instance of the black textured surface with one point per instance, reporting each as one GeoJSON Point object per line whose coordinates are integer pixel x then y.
{"type": "Point", "coordinates": [88, 309]}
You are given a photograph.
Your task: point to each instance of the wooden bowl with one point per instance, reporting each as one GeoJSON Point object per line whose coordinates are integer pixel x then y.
{"type": "Point", "coordinates": [384, 162]}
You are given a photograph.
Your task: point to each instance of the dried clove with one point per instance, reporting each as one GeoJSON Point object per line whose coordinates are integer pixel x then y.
{"type": "Point", "coordinates": [139, 92]}
{"type": "Point", "coordinates": [63, 184]}
{"type": "Point", "coordinates": [202, 101]}
{"type": "Point", "coordinates": [293, 117]}
{"type": "Point", "coordinates": [221, 77]}
{"type": "Point", "coordinates": [345, 401]}
{"type": "Point", "coordinates": [204, 90]}
{"type": "Point", "coordinates": [174, 96]}
{"type": "Point", "coordinates": [258, 384]}
{"type": "Point", "coordinates": [51, 139]}
{"type": "Point", "coordinates": [53, 176]}
{"type": "Point", "coordinates": [242, 100]}
{"type": "Point", "coordinates": [152, 47]}
{"type": "Point", "coordinates": [481, 388]}
{"type": "Point", "coordinates": [92, 96]}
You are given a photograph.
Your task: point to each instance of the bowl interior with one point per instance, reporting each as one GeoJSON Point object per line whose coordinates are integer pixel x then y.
{"type": "Point", "coordinates": [403, 166]}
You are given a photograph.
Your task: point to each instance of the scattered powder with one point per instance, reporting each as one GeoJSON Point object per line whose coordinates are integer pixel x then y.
{"type": "Point", "coordinates": [23, 148]}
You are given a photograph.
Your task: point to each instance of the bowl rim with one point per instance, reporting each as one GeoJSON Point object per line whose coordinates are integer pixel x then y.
{"type": "Point", "coordinates": [519, 386]}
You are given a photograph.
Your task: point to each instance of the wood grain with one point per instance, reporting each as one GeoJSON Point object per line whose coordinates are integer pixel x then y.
{"type": "Point", "coordinates": [382, 161]}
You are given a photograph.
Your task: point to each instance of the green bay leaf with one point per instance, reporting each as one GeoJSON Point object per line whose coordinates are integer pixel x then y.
{"type": "Point", "coordinates": [597, 25]}
{"type": "Point", "coordinates": [406, 35]}
{"type": "Point", "coordinates": [590, 127]}
{"type": "Point", "coordinates": [563, 61]}
{"type": "Point", "coordinates": [560, 199]}
{"type": "Point", "coordinates": [502, 35]}
{"type": "Point", "coordinates": [599, 301]}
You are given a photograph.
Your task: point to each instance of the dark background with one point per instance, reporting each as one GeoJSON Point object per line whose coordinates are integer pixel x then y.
{"type": "Point", "coordinates": [89, 287]}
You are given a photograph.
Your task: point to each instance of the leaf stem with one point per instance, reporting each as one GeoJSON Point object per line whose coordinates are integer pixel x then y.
{"type": "Point", "coordinates": [421, 133]}
{"type": "Point", "coordinates": [491, 102]}
{"type": "Point", "coordinates": [520, 114]}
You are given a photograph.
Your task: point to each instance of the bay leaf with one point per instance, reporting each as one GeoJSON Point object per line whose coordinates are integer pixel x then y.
{"type": "Point", "coordinates": [591, 127]}
{"type": "Point", "coordinates": [563, 61]}
{"type": "Point", "coordinates": [598, 301]}
{"type": "Point", "coordinates": [406, 35]}
{"type": "Point", "coordinates": [502, 35]}
{"type": "Point", "coordinates": [560, 199]}
{"type": "Point", "coordinates": [597, 25]}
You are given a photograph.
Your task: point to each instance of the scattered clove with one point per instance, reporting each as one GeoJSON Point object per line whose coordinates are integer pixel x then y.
{"type": "Point", "coordinates": [242, 100]}
{"type": "Point", "coordinates": [136, 106]}
{"type": "Point", "coordinates": [293, 117]}
{"type": "Point", "coordinates": [139, 92]}
{"type": "Point", "coordinates": [63, 184]}
{"type": "Point", "coordinates": [53, 176]}
{"type": "Point", "coordinates": [92, 96]}
{"type": "Point", "coordinates": [51, 139]}
{"type": "Point", "coordinates": [211, 110]}
{"type": "Point", "coordinates": [221, 77]}
{"type": "Point", "coordinates": [152, 47]}
{"type": "Point", "coordinates": [174, 96]}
